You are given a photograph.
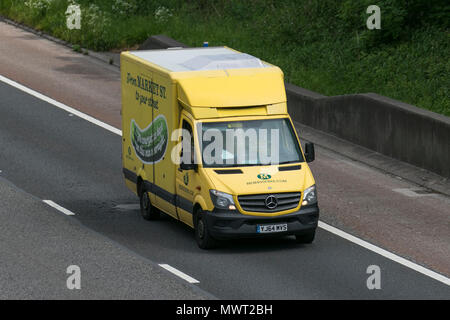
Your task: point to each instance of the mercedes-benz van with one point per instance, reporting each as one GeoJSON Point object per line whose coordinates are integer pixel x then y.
{"type": "Point", "coordinates": [207, 139]}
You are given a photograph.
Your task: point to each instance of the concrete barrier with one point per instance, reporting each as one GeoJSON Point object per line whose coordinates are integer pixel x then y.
{"type": "Point", "coordinates": [393, 128]}
{"type": "Point", "coordinates": [160, 42]}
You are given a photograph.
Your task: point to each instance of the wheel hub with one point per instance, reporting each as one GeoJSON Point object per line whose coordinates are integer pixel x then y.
{"type": "Point", "coordinates": [201, 228]}
{"type": "Point", "coordinates": [145, 201]}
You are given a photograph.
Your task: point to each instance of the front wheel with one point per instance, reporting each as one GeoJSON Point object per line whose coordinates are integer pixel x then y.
{"type": "Point", "coordinates": [202, 235]}
{"type": "Point", "coordinates": [305, 238]}
{"type": "Point", "coordinates": [148, 211]}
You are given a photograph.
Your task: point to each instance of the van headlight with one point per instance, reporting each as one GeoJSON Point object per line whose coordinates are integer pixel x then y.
{"type": "Point", "coordinates": [309, 196]}
{"type": "Point", "coordinates": [222, 200]}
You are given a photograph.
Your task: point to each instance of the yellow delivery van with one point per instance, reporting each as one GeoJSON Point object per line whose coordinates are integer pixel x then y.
{"type": "Point", "coordinates": [207, 139]}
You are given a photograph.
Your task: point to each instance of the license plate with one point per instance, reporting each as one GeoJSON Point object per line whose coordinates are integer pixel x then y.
{"type": "Point", "coordinates": [268, 228]}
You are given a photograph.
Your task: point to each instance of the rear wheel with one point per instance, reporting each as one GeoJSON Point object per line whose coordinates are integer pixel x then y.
{"type": "Point", "coordinates": [202, 235]}
{"type": "Point", "coordinates": [306, 238]}
{"type": "Point", "coordinates": [148, 211]}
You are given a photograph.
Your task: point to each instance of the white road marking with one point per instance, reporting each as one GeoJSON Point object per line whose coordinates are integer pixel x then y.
{"type": "Point", "coordinates": [58, 207]}
{"type": "Point", "coordinates": [385, 253]}
{"type": "Point", "coordinates": [61, 105]}
{"type": "Point", "coordinates": [127, 207]}
{"type": "Point", "coordinates": [338, 232]}
{"type": "Point", "coordinates": [179, 273]}
{"type": "Point", "coordinates": [414, 192]}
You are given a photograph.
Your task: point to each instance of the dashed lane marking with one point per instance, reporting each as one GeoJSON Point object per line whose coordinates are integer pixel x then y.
{"type": "Point", "coordinates": [58, 207]}
{"type": "Point", "coordinates": [179, 273]}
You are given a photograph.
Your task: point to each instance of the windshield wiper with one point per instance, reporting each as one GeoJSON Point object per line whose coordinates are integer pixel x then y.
{"type": "Point", "coordinates": [292, 161]}
{"type": "Point", "coordinates": [234, 165]}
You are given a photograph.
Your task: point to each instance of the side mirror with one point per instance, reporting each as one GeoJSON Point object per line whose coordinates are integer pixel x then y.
{"type": "Point", "coordinates": [309, 152]}
{"type": "Point", "coordinates": [190, 166]}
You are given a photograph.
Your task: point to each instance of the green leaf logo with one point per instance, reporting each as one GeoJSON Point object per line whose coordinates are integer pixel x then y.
{"type": "Point", "coordinates": [264, 176]}
{"type": "Point", "coordinates": [150, 144]}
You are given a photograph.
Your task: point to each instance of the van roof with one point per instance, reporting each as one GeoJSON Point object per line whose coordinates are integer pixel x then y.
{"type": "Point", "coordinates": [200, 59]}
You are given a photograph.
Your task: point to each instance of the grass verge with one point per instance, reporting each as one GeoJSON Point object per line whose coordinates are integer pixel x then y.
{"type": "Point", "coordinates": [323, 46]}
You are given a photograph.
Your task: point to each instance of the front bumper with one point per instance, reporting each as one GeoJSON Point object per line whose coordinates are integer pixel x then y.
{"type": "Point", "coordinates": [227, 225]}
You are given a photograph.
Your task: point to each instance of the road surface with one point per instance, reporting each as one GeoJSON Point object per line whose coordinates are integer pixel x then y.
{"type": "Point", "coordinates": [54, 155]}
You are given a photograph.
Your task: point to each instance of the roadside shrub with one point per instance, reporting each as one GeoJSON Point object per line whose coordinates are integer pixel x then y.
{"type": "Point", "coordinates": [323, 45]}
{"type": "Point", "coordinates": [124, 7]}
{"type": "Point", "coordinates": [399, 18]}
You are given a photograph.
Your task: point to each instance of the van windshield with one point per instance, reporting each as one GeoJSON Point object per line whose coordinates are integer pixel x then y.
{"type": "Point", "coordinates": [248, 143]}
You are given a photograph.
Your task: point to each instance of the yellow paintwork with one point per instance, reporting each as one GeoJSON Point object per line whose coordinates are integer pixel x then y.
{"type": "Point", "coordinates": [209, 113]}
{"type": "Point", "coordinates": [202, 96]}
{"type": "Point", "coordinates": [231, 88]}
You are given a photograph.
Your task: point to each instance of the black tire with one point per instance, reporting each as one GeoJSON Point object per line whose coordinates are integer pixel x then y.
{"type": "Point", "coordinates": [306, 237]}
{"type": "Point", "coordinates": [148, 212]}
{"type": "Point", "coordinates": [202, 235]}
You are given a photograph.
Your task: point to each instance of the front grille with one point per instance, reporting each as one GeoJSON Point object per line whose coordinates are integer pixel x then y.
{"type": "Point", "coordinates": [257, 202]}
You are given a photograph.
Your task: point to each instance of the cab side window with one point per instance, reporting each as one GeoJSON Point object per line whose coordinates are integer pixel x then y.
{"type": "Point", "coordinates": [187, 151]}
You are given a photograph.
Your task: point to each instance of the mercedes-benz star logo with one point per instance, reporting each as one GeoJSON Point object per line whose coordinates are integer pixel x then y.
{"type": "Point", "coordinates": [271, 202]}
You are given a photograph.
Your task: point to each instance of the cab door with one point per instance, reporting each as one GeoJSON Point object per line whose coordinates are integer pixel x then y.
{"type": "Point", "coordinates": [187, 181]}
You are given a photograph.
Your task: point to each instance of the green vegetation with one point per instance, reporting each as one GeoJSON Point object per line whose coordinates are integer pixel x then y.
{"type": "Point", "coordinates": [323, 45]}
{"type": "Point", "coordinates": [76, 48]}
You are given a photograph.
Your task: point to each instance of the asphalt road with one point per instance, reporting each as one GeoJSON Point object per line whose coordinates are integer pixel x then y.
{"type": "Point", "coordinates": [38, 244]}
{"type": "Point", "coordinates": [362, 192]}
{"type": "Point", "coordinates": [53, 155]}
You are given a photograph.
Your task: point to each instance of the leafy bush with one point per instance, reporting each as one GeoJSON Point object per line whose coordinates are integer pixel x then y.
{"type": "Point", "coordinates": [323, 45]}
{"type": "Point", "coordinates": [399, 18]}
